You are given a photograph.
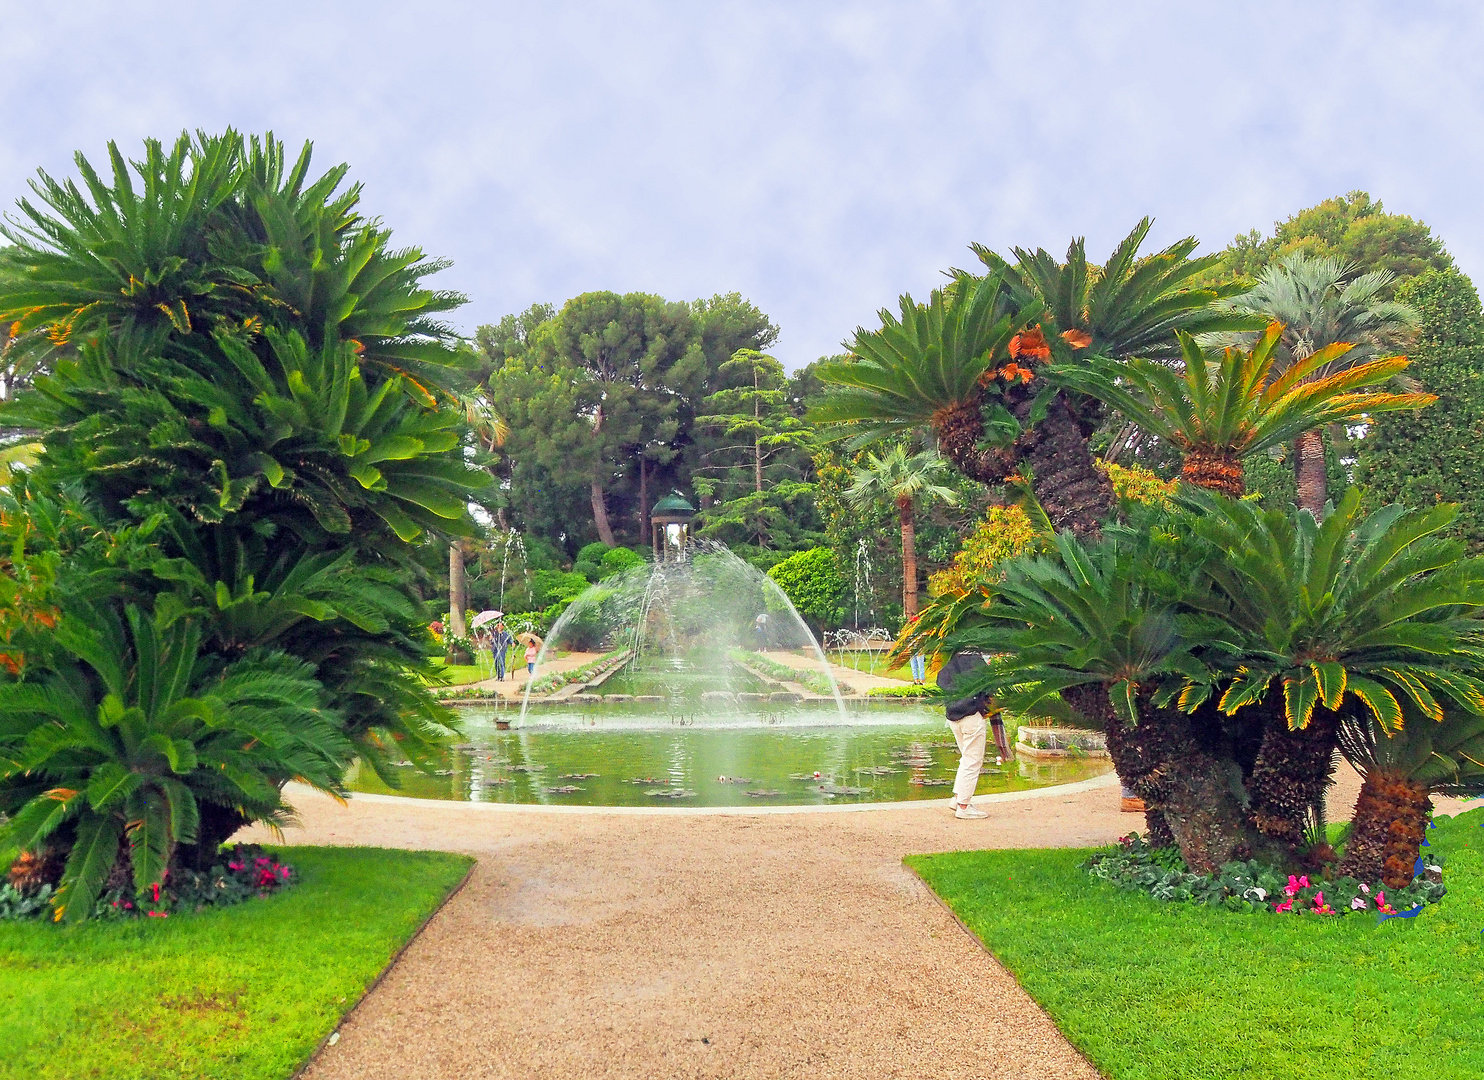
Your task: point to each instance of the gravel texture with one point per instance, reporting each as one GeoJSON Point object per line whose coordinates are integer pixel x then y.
{"type": "Point", "coordinates": [701, 945]}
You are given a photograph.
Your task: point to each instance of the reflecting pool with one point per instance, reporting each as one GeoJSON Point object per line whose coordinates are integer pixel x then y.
{"type": "Point", "coordinates": [612, 756]}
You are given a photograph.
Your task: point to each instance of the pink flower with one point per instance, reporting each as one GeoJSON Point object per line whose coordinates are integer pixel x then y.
{"type": "Point", "coordinates": [158, 914]}
{"type": "Point", "coordinates": [1287, 905]}
{"type": "Point", "coordinates": [1319, 899]}
{"type": "Point", "coordinates": [1357, 904]}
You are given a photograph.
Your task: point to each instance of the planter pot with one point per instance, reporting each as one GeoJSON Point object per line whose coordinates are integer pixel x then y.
{"type": "Point", "coordinates": [502, 725]}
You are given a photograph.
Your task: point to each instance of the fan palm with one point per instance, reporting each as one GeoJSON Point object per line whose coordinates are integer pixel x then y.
{"type": "Point", "coordinates": [1323, 302]}
{"type": "Point", "coordinates": [1223, 408]}
{"type": "Point", "coordinates": [133, 729]}
{"type": "Point", "coordinates": [1400, 770]}
{"type": "Point", "coordinates": [1353, 612]}
{"type": "Point", "coordinates": [902, 478]}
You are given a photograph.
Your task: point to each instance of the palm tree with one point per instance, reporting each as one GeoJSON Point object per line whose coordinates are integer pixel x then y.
{"type": "Point", "coordinates": [1099, 628]}
{"type": "Point", "coordinates": [1401, 769]}
{"type": "Point", "coordinates": [972, 363]}
{"type": "Point", "coordinates": [1223, 408]}
{"type": "Point", "coordinates": [929, 368]}
{"type": "Point", "coordinates": [903, 479]}
{"type": "Point", "coordinates": [1323, 302]}
{"type": "Point", "coordinates": [1352, 613]}
{"type": "Point", "coordinates": [134, 730]}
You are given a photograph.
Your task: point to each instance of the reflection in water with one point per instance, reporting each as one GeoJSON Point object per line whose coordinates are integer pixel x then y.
{"type": "Point", "coordinates": [886, 755]}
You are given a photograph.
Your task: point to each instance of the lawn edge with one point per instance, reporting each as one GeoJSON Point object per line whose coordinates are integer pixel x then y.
{"type": "Point", "coordinates": [977, 940]}
{"type": "Point", "coordinates": [387, 970]}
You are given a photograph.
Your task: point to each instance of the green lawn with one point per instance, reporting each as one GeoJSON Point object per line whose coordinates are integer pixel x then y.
{"type": "Point", "coordinates": [1166, 991]}
{"type": "Point", "coordinates": [244, 992]}
{"type": "Point", "coordinates": [861, 660]}
{"type": "Point", "coordinates": [463, 674]}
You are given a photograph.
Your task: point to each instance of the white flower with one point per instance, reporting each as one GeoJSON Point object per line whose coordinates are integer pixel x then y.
{"type": "Point", "coordinates": [1262, 894]}
{"type": "Point", "coordinates": [1357, 904]}
{"type": "Point", "coordinates": [1365, 888]}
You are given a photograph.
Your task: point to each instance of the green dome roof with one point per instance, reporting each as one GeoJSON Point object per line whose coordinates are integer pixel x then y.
{"type": "Point", "coordinates": [673, 505]}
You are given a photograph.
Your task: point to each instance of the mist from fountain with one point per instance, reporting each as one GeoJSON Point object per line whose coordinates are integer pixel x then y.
{"type": "Point", "coordinates": [685, 638]}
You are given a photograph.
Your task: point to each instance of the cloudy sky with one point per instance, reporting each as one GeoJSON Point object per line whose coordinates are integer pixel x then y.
{"type": "Point", "coordinates": [819, 158]}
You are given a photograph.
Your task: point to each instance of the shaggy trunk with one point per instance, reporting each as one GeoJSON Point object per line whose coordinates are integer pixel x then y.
{"type": "Point", "coordinates": [959, 429]}
{"type": "Point", "coordinates": [1293, 770]}
{"type": "Point", "coordinates": [1388, 828]}
{"type": "Point", "coordinates": [1073, 491]}
{"type": "Point", "coordinates": [458, 594]}
{"type": "Point", "coordinates": [1215, 470]}
{"type": "Point", "coordinates": [1160, 760]}
{"type": "Point", "coordinates": [1188, 792]}
{"type": "Point", "coordinates": [909, 557]}
{"type": "Point", "coordinates": [218, 824]}
{"type": "Point", "coordinates": [1157, 831]}
{"type": "Point", "coordinates": [1308, 470]}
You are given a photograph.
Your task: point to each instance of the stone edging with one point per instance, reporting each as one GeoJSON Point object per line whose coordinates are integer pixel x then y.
{"type": "Point", "coordinates": [1109, 779]}
{"type": "Point", "coordinates": [385, 971]}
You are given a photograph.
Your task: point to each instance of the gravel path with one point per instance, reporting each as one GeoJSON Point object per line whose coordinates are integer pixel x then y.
{"type": "Point", "coordinates": [669, 944]}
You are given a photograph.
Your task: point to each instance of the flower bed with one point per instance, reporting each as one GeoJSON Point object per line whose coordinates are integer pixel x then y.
{"type": "Point", "coordinates": [244, 873]}
{"type": "Point", "coordinates": [1254, 887]}
{"type": "Point", "coordinates": [549, 684]}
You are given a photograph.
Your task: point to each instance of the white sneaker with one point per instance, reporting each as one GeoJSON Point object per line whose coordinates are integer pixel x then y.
{"type": "Point", "coordinates": [969, 810]}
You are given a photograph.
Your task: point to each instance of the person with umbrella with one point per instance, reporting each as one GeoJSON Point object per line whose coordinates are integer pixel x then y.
{"type": "Point", "coordinates": [533, 650]}
{"type": "Point", "coordinates": [502, 642]}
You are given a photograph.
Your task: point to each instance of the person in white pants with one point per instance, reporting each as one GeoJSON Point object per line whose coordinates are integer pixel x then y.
{"type": "Point", "coordinates": [967, 718]}
{"type": "Point", "coordinates": [969, 733]}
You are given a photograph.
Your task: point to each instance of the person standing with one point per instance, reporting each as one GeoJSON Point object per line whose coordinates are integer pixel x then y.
{"type": "Point", "coordinates": [919, 669]}
{"type": "Point", "coordinates": [967, 719]}
{"type": "Point", "coordinates": [531, 653]}
{"type": "Point", "coordinates": [501, 646]}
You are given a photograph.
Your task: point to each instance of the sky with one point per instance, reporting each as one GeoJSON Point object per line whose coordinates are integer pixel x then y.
{"type": "Point", "coordinates": [819, 158]}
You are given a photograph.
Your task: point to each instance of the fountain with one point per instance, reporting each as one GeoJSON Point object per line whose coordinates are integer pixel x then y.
{"type": "Point", "coordinates": [705, 637]}
{"type": "Point", "coordinates": [661, 686]}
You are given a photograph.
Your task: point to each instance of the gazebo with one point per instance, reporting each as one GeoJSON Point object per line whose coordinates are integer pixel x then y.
{"type": "Point", "coordinates": [669, 524]}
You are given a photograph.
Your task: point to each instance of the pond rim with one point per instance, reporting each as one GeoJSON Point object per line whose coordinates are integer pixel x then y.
{"type": "Point", "coordinates": [1108, 779]}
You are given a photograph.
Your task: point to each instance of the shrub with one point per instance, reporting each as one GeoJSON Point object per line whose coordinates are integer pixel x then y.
{"type": "Point", "coordinates": [590, 571]}
{"type": "Point", "coordinates": [814, 585]}
{"type": "Point", "coordinates": [617, 560]}
{"type": "Point", "coordinates": [592, 553]}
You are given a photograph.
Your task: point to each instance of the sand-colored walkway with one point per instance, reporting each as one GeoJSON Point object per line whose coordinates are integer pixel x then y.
{"type": "Point", "coordinates": [670, 944]}
{"type": "Point", "coordinates": [859, 682]}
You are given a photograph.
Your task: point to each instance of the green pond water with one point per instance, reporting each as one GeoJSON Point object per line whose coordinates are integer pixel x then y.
{"type": "Point", "coordinates": [617, 757]}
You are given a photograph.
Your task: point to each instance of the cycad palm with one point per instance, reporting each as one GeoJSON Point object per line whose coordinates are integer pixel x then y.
{"type": "Point", "coordinates": [1323, 302]}
{"type": "Point", "coordinates": [1355, 613]}
{"type": "Point", "coordinates": [134, 728]}
{"type": "Point", "coordinates": [904, 479]}
{"type": "Point", "coordinates": [1400, 770]}
{"type": "Point", "coordinates": [1223, 408]}
{"type": "Point", "coordinates": [928, 368]}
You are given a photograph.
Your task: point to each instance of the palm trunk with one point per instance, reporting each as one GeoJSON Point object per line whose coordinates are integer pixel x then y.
{"type": "Point", "coordinates": [959, 429]}
{"type": "Point", "coordinates": [909, 557]}
{"type": "Point", "coordinates": [1215, 470]}
{"type": "Point", "coordinates": [1309, 471]}
{"type": "Point", "coordinates": [1073, 491]}
{"type": "Point", "coordinates": [1388, 828]}
{"type": "Point", "coordinates": [1185, 788]}
{"type": "Point", "coordinates": [458, 596]}
{"type": "Point", "coordinates": [1293, 770]}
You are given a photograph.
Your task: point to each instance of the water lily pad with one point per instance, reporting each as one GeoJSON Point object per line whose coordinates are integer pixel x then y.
{"type": "Point", "coordinates": [671, 793]}
{"type": "Point", "coordinates": [565, 789]}
{"type": "Point", "coordinates": [578, 775]}
{"type": "Point", "coordinates": [760, 794]}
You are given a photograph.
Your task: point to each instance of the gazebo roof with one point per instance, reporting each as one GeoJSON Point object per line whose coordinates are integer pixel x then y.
{"type": "Point", "coordinates": [673, 505]}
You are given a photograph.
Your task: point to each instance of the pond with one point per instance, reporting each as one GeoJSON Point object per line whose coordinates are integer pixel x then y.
{"type": "Point", "coordinates": [616, 756]}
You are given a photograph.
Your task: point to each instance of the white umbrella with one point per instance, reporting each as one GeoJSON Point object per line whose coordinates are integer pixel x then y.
{"type": "Point", "coordinates": [484, 617]}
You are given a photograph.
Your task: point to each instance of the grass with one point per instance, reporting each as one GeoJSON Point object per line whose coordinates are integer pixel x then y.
{"type": "Point", "coordinates": [1167, 991]}
{"type": "Point", "coordinates": [462, 674]}
{"type": "Point", "coordinates": [861, 660]}
{"type": "Point", "coordinates": [244, 992]}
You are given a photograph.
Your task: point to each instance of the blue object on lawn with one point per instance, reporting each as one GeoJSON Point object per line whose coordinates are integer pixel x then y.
{"type": "Point", "coordinates": [1410, 913]}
